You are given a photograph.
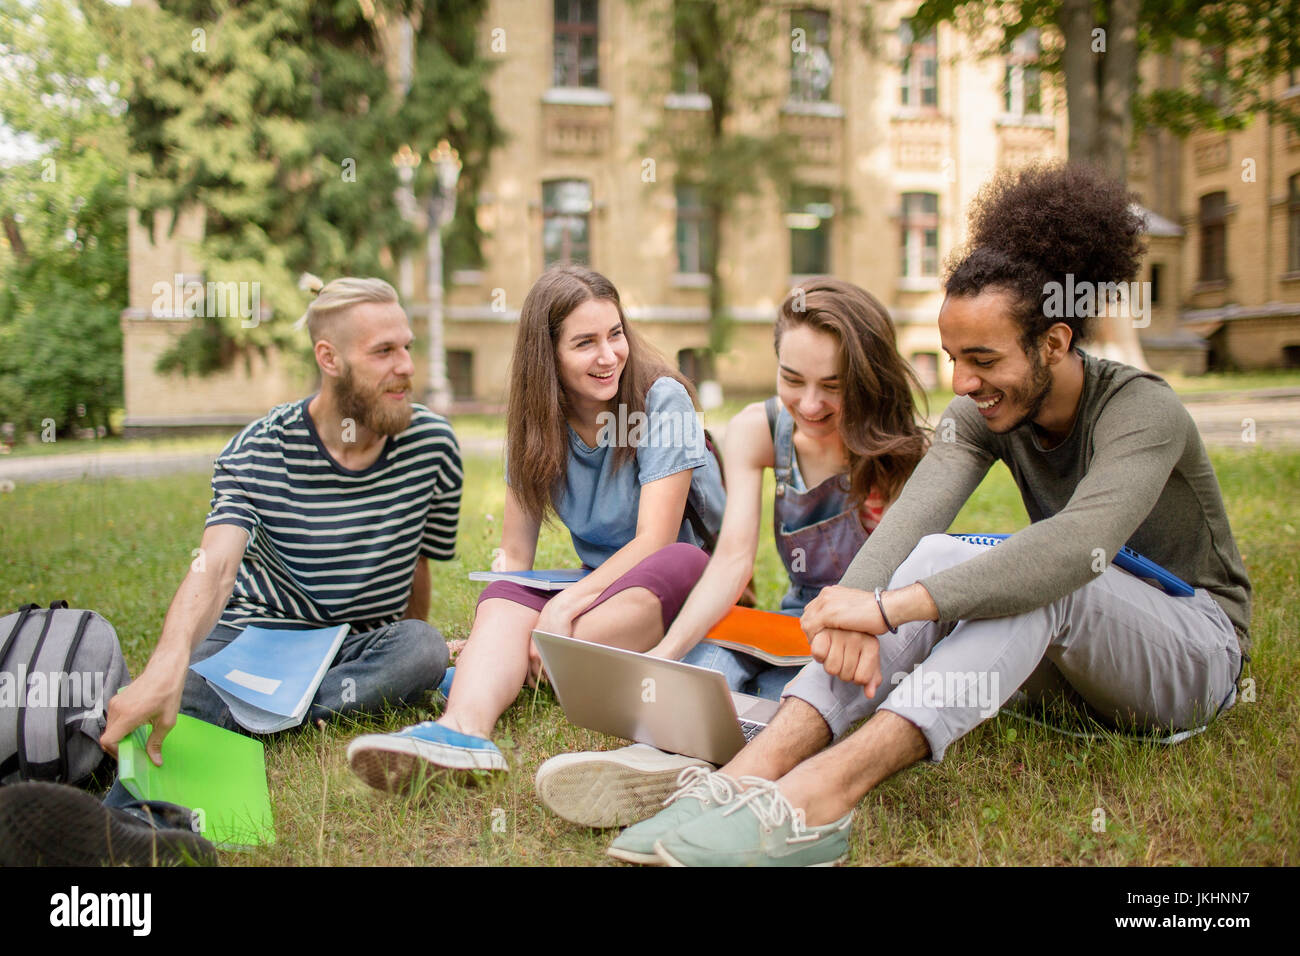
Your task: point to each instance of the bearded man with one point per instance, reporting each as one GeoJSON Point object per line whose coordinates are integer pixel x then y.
{"type": "Point", "coordinates": [323, 513]}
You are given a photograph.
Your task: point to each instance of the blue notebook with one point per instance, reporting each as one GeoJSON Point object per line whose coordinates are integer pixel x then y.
{"type": "Point", "coordinates": [553, 580]}
{"type": "Point", "coordinates": [1127, 559]}
{"type": "Point", "coordinates": [268, 676]}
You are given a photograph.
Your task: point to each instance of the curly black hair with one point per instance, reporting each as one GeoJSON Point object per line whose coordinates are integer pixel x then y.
{"type": "Point", "coordinates": [1037, 225]}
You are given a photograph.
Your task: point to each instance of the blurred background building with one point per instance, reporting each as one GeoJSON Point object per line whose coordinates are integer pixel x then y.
{"type": "Point", "coordinates": [894, 136]}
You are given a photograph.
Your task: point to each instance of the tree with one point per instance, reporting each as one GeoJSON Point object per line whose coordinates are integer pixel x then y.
{"type": "Point", "coordinates": [1101, 43]}
{"type": "Point", "coordinates": [277, 118]}
{"type": "Point", "coordinates": [721, 45]}
{"type": "Point", "coordinates": [63, 275]}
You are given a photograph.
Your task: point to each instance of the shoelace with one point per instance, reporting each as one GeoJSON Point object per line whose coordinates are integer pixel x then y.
{"type": "Point", "coordinates": [772, 809]}
{"type": "Point", "coordinates": [704, 785]}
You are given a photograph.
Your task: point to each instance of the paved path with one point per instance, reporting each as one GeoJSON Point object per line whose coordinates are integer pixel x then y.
{"type": "Point", "coordinates": [123, 463]}
{"type": "Point", "coordinates": [1229, 420]}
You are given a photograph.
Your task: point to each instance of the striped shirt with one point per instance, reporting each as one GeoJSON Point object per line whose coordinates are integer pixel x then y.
{"type": "Point", "coordinates": [329, 545]}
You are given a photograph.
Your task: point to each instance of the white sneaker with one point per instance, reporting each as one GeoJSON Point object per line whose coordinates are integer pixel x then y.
{"type": "Point", "coordinates": [611, 788]}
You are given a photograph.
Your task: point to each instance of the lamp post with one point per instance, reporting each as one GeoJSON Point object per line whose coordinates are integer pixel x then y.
{"type": "Point", "coordinates": [405, 160]}
{"type": "Point", "coordinates": [442, 209]}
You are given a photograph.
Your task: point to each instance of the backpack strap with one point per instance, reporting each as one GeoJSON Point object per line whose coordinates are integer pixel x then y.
{"type": "Point", "coordinates": [23, 765]}
{"type": "Point", "coordinates": [23, 613]}
{"type": "Point", "coordinates": [60, 722]}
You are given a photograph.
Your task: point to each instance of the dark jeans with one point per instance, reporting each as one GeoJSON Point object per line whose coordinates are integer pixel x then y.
{"type": "Point", "coordinates": [391, 665]}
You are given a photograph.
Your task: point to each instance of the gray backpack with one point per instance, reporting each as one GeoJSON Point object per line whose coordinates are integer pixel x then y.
{"type": "Point", "coordinates": [58, 669]}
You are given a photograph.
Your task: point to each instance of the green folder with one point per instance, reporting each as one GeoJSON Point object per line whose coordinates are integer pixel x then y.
{"type": "Point", "coordinates": [217, 773]}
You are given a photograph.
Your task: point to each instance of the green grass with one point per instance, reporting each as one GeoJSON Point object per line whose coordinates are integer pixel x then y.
{"type": "Point", "coordinates": [1008, 793]}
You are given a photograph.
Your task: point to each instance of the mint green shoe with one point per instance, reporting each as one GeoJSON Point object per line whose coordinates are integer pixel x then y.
{"type": "Point", "coordinates": [699, 790]}
{"type": "Point", "coordinates": [758, 828]}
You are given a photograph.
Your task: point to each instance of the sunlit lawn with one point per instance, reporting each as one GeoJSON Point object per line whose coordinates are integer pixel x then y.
{"type": "Point", "coordinates": [1009, 793]}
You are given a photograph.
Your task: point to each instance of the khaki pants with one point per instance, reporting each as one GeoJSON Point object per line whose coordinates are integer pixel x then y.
{"type": "Point", "coordinates": [1140, 658]}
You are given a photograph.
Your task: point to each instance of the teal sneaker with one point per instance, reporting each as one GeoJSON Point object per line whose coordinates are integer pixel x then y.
{"type": "Point", "coordinates": [699, 790]}
{"type": "Point", "coordinates": [758, 828]}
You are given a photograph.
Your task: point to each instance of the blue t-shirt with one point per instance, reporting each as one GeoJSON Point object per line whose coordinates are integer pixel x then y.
{"type": "Point", "coordinates": [599, 505]}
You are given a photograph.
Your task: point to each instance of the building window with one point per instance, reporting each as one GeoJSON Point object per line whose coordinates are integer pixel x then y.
{"type": "Point", "coordinates": [1157, 271]}
{"type": "Point", "coordinates": [694, 232]}
{"type": "Point", "coordinates": [566, 211]}
{"type": "Point", "coordinates": [460, 374]}
{"type": "Point", "coordinates": [1022, 85]}
{"type": "Point", "coordinates": [809, 222]}
{"type": "Point", "coordinates": [919, 83]}
{"type": "Point", "coordinates": [1214, 237]}
{"type": "Point", "coordinates": [576, 33]}
{"type": "Point", "coordinates": [926, 366]}
{"type": "Point", "coordinates": [1213, 63]}
{"type": "Point", "coordinates": [686, 66]}
{"type": "Point", "coordinates": [696, 364]}
{"type": "Point", "coordinates": [1293, 224]}
{"type": "Point", "coordinates": [920, 234]}
{"type": "Point", "coordinates": [810, 56]}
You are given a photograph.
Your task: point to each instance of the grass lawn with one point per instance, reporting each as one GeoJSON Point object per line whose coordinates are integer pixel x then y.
{"type": "Point", "coordinates": [1009, 793]}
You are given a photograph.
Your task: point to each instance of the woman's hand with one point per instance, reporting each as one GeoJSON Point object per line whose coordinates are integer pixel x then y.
{"type": "Point", "coordinates": [557, 617]}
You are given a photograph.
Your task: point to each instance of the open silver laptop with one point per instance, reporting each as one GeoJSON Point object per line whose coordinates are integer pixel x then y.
{"type": "Point", "coordinates": [676, 707]}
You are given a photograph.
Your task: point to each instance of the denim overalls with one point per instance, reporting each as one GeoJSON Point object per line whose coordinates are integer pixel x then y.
{"type": "Point", "coordinates": [818, 532]}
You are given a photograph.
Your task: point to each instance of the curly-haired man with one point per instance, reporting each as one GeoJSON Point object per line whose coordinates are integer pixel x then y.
{"type": "Point", "coordinates": [926, 634]}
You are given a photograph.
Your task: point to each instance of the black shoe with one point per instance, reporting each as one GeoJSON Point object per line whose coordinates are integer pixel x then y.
{"type": "Point", "coordinates": [51, 824]}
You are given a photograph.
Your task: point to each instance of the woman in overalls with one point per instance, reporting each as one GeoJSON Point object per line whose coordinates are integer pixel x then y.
{"type": "Point", "coordinates": [842, 438]}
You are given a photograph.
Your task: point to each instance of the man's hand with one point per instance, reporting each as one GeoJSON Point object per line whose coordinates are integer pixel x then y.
{"type": "Point", "coordinates": [150, 699]}
{"type": "Point", "coordinates": [841, 608]}
{"type": "Point", "coordinates": [851, 656]}
{"type": "Point", "coordinates": [155, 697]}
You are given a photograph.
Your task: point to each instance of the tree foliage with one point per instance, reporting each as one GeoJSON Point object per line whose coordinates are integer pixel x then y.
{"type": "Point", "coordinates": [277, 118]}
{"type": "Point", "coordinates": [725, 43]}
{"type": "Point", "coordinates": [1229, 55]}
{"type": "Point", "coordinates": [63, 267]}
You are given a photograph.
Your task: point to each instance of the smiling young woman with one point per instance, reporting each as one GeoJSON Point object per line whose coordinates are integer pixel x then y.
{"type": "Point", "coordinates": [841, 437]}
{"type": "Point", "coordinates": [623, 496]}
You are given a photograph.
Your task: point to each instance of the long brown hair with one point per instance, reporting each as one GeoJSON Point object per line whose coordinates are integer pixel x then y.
{"type": "Point", "coordinates": [537, 439]}
{"type": "Point", "coordinates": [878, 421]}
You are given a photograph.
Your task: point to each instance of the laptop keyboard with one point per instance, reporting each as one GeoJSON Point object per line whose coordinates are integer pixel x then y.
{"type": "Point", "coordinates": [750, 729]}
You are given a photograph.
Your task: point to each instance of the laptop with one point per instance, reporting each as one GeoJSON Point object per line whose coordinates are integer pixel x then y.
{"type": "Point", "coordinates": [676, 707]}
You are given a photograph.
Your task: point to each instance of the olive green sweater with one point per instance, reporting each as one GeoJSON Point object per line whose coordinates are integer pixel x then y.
{"type": "Point", "coordinates": [1133, 471]}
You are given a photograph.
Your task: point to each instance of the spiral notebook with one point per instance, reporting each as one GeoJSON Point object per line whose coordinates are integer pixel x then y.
{"type": "Point", "coordinates": [1127, 559]}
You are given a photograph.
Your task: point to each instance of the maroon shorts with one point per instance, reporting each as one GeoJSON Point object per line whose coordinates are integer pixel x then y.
{"type": "Point", "coordinates": [669, 574]}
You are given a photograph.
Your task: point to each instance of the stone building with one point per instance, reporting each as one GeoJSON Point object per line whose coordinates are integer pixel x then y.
{"type": "Point", "coordinates": [893, 147]}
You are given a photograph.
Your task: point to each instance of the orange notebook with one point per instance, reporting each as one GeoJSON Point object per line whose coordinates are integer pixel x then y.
{"type": "Point", "coordinates": [775, 638]}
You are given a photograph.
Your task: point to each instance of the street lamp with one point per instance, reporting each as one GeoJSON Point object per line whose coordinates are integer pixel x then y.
{"type": "Point", "coordinates": [442, 209]}
{"type": "Point", "coordinates": [405, 160]}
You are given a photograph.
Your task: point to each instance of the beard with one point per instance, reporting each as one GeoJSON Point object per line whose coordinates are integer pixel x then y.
{"type": "Point", "coordinates": [1032, 397]}
{"type": "Point", "coordinates": [370, 408]}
